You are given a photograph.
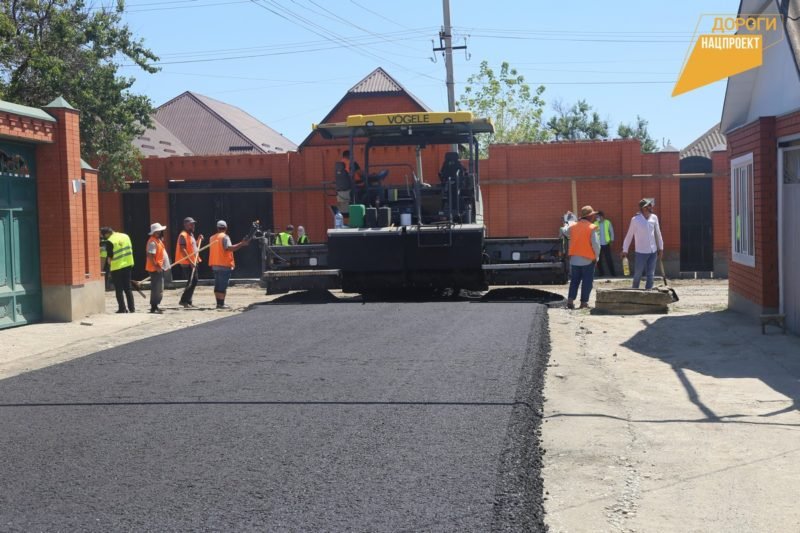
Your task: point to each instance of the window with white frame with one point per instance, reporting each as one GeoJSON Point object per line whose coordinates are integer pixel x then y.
{"type": "Point", "coordinates": [742, 211]}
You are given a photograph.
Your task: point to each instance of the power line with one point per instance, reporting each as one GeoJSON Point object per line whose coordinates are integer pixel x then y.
{"type": "Point", "coordinates": [365, 30]}
{"type": "Point", "coordinates": [299, 20]}
{"type": "Point", "coordinates": [202, 57]}
{"type": "Point", "coordinates": [584, 82]}
{"type": "Point", "coordinates": [576, 39]}
{"type": "Point", "coordinates": [289, 46]}
{"type": "Point", "coordinates": [573, 31]}
{"type": "Point", "coordinates": [377, 14]}
{"type": "Point", "coordinates": [186, 4]}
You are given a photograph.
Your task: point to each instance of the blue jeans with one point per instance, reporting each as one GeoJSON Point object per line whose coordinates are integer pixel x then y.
{"type": "Point", "coordinates": [645, 263]}
{"type": "Point", "coordinates": [583, 276]}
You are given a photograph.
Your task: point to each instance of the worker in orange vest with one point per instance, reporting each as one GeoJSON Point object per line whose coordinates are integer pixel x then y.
{"type": "Point", "coordinates": [584, 249]}
{"type": "Point", "coordinates": [187, 257]}
{"type": "Point", "coordinates": [220, 259]}
{"type": "Point", "coordinates": [155, 265]}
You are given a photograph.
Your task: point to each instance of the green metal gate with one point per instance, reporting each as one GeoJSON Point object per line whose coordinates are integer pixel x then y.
{"type": "Point", "coordinates": [20, 283]}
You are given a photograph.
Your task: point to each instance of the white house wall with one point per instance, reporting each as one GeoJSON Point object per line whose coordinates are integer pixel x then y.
{"type": "Point", "coordinates": [773, 89]}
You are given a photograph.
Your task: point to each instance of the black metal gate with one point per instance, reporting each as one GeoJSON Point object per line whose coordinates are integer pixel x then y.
{"type": "Point", "coordinates": [237, 202]}
{"type": "Point", "coordinates": [697, 237]}
{"type": "Point", "coordinates": [136, 223]}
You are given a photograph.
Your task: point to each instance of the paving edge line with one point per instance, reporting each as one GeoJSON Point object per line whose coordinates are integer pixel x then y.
{"type": "Point", "coordinates": [518, 500]}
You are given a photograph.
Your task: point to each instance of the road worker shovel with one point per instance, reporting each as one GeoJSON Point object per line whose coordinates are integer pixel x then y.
{"type": "Point", "coordinates": [137, 285]}
{"type": "Point", "coordinates": [666, 286]}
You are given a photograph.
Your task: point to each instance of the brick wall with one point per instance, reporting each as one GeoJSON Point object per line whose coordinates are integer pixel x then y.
{"type": "Point", "coordinates": [26, 129]}
{"type": "Point", "coordinates": [759, 284]}
{"type": "Point", "coordinates": [62, 212]}
{"type": "Point", "coordinates": [526, 188]}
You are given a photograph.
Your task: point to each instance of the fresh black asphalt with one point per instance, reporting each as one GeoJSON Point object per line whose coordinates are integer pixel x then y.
{"type": "Point", "coordinates": [337, 417]}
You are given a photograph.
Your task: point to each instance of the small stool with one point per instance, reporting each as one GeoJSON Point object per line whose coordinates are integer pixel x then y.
{"type": "Point", "coordinates": [775, 320]}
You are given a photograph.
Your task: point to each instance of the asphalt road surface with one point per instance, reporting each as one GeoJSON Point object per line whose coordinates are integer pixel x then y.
{"type": "Point", "coordinates": [338, 417]}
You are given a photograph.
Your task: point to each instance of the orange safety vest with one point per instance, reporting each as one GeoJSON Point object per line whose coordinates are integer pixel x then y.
{"type": "Point", "coordinates": [159, 255]}
{"type": "Point", "coordinates": [580, 240]}
{"type": "Point", "coordinates": [217, 255]}
{"type": "Point", "coordinates": [185, 259]}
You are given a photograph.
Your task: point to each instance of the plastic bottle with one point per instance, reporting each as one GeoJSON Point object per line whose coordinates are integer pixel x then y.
{"type": "Point", "coordinates": [626, 267]}
{"type": "Point", "coordinates": [338, 221]}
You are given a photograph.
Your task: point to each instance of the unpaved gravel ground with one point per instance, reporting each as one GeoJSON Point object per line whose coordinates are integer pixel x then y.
{"type": "Point", "coordinates": [686, 422]}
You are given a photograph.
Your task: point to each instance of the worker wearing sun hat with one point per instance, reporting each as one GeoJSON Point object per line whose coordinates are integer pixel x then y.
{"type": "Point", "coordinates": [155, 265]}
{"type": "Point", "coordinates": [220, 259]}
{"type": "Point", "coordinates": [645, 230]}
{"type": "Point", "coordinates": [584, 249]}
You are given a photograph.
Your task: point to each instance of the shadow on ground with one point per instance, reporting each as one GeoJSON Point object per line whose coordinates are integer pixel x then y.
{"type": "Point", "coordinates": [505, 295]}
{"type": "Point", "coordinates": [722, 344]}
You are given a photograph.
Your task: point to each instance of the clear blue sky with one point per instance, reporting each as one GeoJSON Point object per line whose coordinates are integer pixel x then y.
{"type": "Point", "coordinates": [287, 62]}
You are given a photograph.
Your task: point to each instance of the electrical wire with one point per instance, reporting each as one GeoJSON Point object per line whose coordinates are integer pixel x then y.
{"type": "Point", "coordinates": [294, 18]}
{"type": "Point", "coordinates": [378, 14]}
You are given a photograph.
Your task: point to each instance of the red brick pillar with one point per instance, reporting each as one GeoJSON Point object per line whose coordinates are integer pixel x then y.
{"type": "Point", "coordinates": [69, 291]}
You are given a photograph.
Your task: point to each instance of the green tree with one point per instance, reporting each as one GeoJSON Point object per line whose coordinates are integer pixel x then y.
{"type": "Point", "coordinates": [639, 131]}
{"type": "Point", "coordinates": [514, 107]}
{"type": "Point", "coordinates": [51, 48]}
{"type": "Point", "coordinates": [577, 121]}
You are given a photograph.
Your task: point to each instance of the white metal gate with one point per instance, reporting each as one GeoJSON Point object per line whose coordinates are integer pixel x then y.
{"type": "Point", "coordinates": [789, 197]}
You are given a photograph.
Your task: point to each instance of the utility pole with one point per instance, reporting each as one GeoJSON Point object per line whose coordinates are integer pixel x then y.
{"type": "Point", "coordinates": [448, 56]}
{"type": "Point", "coordinates": [446, 46]}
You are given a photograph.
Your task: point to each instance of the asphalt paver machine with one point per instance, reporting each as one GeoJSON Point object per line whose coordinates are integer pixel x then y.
{"type": "Point", "coordinates": [423, 233]}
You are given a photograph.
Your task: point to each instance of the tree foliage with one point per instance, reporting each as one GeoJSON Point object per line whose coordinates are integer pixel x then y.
{"type": "Point", "coordinates": [638, 131]}
{"type": "Point", "coordinates": [514, 107]}
{"type": "Point", "coordinates": [577, 121]}
{"type": "Point", "coordinates": [51, 48]}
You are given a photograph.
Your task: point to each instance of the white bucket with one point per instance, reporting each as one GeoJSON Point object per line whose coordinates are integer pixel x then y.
{"type": "Point", "coordinates": [405, 219]}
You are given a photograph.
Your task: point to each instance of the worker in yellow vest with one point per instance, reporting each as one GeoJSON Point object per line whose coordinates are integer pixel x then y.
{"type": "Point", "coordinates": [605, 234]}
{"type": "Point", "coordinates": [584, 249]}
{"type": "Point", "coordinates": [155, 265]}
{"type": "Point", "coordinates": [285, 238]}
{"type": "Point", "coordinates": [104, 263]}
{"type": "Point", "coordinates": [120, 257]}
{"type": "Point", "coordinates": [220, 259]}
{"type": "Point", "coordinates": [302, 237]}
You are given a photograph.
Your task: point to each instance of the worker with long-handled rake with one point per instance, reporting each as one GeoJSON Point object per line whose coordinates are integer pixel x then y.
{"type": "Point", "coordinates": [156, 265]}
{"type": "Point", "coordinates": [187, 256]}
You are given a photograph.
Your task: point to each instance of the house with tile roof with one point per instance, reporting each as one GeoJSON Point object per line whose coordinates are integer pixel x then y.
{"type": "Point", "coordinates": [378, 92]}
{"type": "Point", "coordinates": [696, 157]}
{"type": "Point", "coordinates": [194, 124]}
{"type": "Point", "coordinates": [761, 119]}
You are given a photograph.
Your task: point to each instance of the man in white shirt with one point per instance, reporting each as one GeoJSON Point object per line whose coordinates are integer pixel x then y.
{"type": "Point", "coordinates": [645, 230]}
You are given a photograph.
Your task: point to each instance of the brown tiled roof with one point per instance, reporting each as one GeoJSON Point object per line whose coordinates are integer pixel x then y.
{"type": "Point", "coordinates": [207, 126]}
{"type": "Point", "coordinates": [380, 82]}
{"type": "Point", "coordinates": [705, 144]}
{"type": "Point", "coordinates": [158, 141]}
{"type": "Point", "coordinates": [376, 83]}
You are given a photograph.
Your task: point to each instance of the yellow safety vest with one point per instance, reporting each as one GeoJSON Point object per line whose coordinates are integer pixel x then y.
{"type": "Point", "coordinates": [103, 251]}
{"type": "Point", "coordinates": [605, 227]}
{"type": "Point", "coordinates": [123, 254]}
{"type": "Point", "coordinates": [283, 238]}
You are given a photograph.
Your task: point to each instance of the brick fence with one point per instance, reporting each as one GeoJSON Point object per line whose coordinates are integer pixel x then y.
{"type": "Point", "coordinates": [526, 187]}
